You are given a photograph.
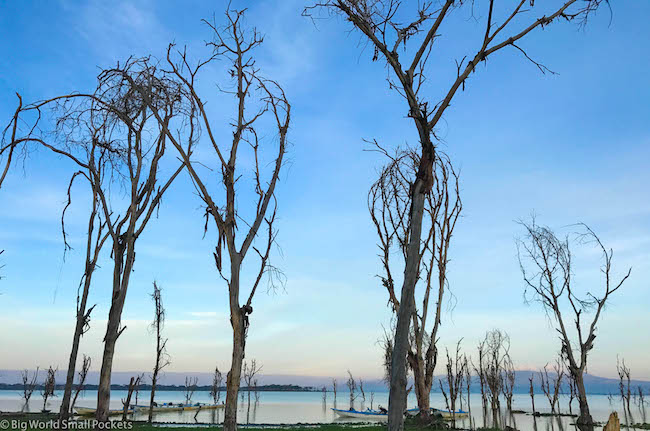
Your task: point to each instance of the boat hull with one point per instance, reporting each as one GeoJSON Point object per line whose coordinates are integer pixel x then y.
{"type": "Point", "coordinates": [368, 415]}
{"type": "Point", "coordinates": [85, 411]}
{"type": "Point", "coordinates": [162, 409]}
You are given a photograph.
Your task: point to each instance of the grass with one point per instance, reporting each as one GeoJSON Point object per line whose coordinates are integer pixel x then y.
{"type": "Point", "coordinates": [25, 418]}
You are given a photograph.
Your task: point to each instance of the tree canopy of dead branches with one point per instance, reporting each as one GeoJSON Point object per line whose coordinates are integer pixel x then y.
{"type": "Point", "coordinates": [389, 203]}
{"type": "Point", "coordinates": [546, 262]}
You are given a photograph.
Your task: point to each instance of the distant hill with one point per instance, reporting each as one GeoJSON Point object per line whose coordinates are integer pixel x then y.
{"type": "Point", "coordinates": [594, 384]}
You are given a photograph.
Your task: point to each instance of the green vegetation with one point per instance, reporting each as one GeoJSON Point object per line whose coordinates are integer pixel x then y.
{"type": "Point", "coordinates": [410, 425]}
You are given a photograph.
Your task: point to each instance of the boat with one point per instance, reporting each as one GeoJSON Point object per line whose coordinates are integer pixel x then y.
{"type": "Point", "coordinates": [85, 411]}
{"type": "Point", "coordinates": [448, 414]}
{"type": "Point", "coordinates": [365, 415]}
{"type": "Point", "coordinates": [179, 407]}
{"type": "Point", "coordinates": [368, 414]}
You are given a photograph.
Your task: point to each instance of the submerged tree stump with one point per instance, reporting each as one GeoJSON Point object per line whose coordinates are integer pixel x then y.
{"type": "Point", "coordinates": [613, 424]}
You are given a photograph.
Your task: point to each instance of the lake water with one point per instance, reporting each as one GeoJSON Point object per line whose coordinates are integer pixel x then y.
{"type": "Point", "coordinates": [309, 407]}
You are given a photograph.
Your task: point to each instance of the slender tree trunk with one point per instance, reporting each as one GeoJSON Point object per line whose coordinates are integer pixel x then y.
{"type": "Point", "coordinates": [128, 399]}
{"type": "Point", "coordinates": [397, 397]}
{"type": "Point", "coordinates": [585, 418]}
{"type": "Point", "coordinates": [154, 381]}
{"type": "Point", "coordinates": [64, 412]}
{"type": "Point", "coordinates": [121, 276]}
{"type": "Point", "coordinates": [234, 376]}
{"type": "Point", "coordinates": [104, 390]}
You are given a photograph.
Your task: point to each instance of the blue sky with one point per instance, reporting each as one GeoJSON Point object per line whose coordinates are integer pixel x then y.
{"type": "Point", "coordinates": [570, 147]}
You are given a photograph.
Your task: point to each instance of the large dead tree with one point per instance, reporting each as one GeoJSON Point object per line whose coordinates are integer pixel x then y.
{"type": "Point", "coordinates": [14, 140]}
{"type": "Point", "coordinates": [117, 144]}
{"type": "Point", "coordinates": [389, 203]}
{"type": "Point", "coordinates": [259, 138]}
{"type": "Point", "coordinates": [162, 357]}
{"type": "Point", "coordinates": [547, 267]}
{"type": "Point", "coordinates": [404, 35]}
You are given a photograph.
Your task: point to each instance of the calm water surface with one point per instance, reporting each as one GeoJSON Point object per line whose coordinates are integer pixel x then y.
{"type": "Point", "coordinates": [309, 407]}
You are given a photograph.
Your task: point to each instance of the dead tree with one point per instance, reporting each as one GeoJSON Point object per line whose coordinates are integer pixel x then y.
{"type": "Point", "coordinates": [455, 375]}
{"type": "Point", "coordinates": [215, 389]}
{"type": "Point", "coordinates": [352, 387]}
{"type": "Point", "coordinates": [372, 399]}
{"type": "Point", "coordinates": [480, 371]}
{"type": "Point", "coordinates": [546, 264]}
{"type": "Point", "coordinates": [81, 384]}
{"type": "Point", "coordinates": [573, 392]}
{"type": "Point", "coordinates": [404, 38]}
{"type": "Point", "coordinates": [48, 387]}
{"type": "Point", "coordinates": [497, 352]}
{"type": "Point", "coordinates": [468, 383]}
{"type": "Point", "coordinates": [257, 392]}
{"type": "Point", "coordinates": [162, 357]}
{"type": "Point", "coordinates": [190, 388]}
{"type": "Point", "coordinates": [126, 403]}
{"type": "Point", "coordinates": [250, 371]}
{"type": "Point", "coordinates": [551, 385]}
{"type": "Point", "coordinates": [113, 137]}
{"type": "Point", "coordinates": [260, 125]}
{"type": "Point", "coordinates": [138, 385]}
{"type": "Point", "coordinates": [508, 382]}
{"type": "Point", "coordinates": [29, 384]}
{"type": "Point", "coordinates": [334, 390]}
{"type": "Point", "coordinates": [624, 385]}
{"type": "Point", "coordinates": [68, 146]}
{"type": "Point", "coordinates": [389, 203]}
{"type": "Point", "coordinates": [363, 393]}
{"type": "Point", "coordinates": [324, 391]}
{"type": "Point", "coordinates": [531, 391]}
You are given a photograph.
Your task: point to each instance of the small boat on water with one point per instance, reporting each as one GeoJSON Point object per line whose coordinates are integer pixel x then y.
{"type": "Point", "coordinates": [178, 407]}
{"type": "Point", "coordinates": [368, 414]}
{"type": "Point", "coordinates": [85, 411]}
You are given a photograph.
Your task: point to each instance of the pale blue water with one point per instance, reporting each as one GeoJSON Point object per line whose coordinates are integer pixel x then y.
{"type": "Point", "coordinates": [309, 407]}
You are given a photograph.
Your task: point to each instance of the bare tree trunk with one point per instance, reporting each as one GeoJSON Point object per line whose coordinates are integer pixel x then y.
{"type": "Point", "coordinates": [64, 412]}
{"type": "Point", "coordinates": [422, 390]}
{"type": "Point", "coordinates": [397, 397]}
{"type": "Point", "coordinates": [132, 384]}
{"type": "Point", "coordinates": [238, 341]}
{"type": "Point", "coordinates": [585, 418]}
{"type": "Point", "coordinates": [104, 389]}
{"type": "Point", "coordinates": [110, 339]}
